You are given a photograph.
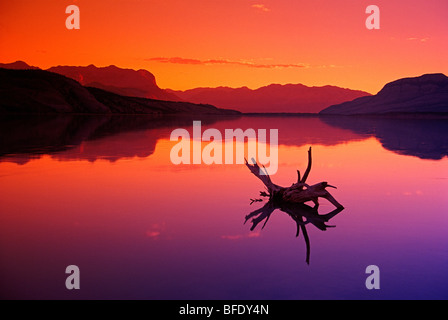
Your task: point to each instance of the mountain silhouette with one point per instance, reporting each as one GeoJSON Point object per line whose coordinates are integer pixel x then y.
{"type": "Point", "coordinates": [18, 65]}
{"type": "Point", "coordinates": [425, 94]}
{"type": "Point", "coordinates": [127, 82]}
{"type": "Point", "coordinates": [40, 92]}
{"type": "Point", "coordinates": [135, 105]}
{"type": "Point", "coordinates": [274, 98]}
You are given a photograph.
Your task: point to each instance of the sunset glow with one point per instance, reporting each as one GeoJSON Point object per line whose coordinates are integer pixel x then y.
{"type": "Point", "coordinates": [188, 44]}
{"type": "Point", "coordinates": [145, 145]}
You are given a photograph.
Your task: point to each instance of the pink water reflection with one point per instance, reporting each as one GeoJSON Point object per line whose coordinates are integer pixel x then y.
{"type": "Point", "coordinates": [141, 227]}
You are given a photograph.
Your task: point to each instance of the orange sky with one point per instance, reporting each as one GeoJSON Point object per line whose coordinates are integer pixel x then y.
{"type": "Point", "coordinates": [188, 44]}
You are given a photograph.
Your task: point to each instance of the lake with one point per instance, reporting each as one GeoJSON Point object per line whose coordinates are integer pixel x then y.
{"type": "Point", "coordinates": [102, 193]}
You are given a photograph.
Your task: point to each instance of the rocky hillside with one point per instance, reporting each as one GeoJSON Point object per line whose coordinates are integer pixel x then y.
{"type": "Point", "coordinates": [128, 82]}
{"type": "Point", "coordinates": [425, 94]}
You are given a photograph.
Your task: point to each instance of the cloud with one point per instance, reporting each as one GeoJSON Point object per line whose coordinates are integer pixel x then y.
{"type": "Point", "coordinates": [178, 60]}
{"type": "Point", "coordinates": [261, 7]}
{"type": "Point", "coordinates": [418, 39]}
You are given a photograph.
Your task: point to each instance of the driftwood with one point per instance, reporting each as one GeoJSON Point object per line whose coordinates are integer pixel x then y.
{"type": "Point", "coordinates": [299, 192]}
{"type": "Point", "coordinates": [291, 200]}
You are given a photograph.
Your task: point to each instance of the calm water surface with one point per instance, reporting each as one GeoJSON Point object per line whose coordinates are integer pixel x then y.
{"type": "Point", "coordinates": [102, 194]}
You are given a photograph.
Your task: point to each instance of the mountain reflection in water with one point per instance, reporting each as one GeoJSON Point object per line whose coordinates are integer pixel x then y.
{"type": "Point", "coordinates": [84, 137]}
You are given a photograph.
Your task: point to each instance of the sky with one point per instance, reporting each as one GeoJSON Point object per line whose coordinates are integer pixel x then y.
{"type": "Point", "coordinates": [235, 43]}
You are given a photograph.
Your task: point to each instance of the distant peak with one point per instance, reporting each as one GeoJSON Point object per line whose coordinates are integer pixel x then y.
{"type": "Point", "coordinates": [112, 66]}
{"type": "Point", "coordinates": [19, 64]}
{"type": "Point", "coordinates": [428, 78]}
{"type": "Point", "coordinates": [424, 77]}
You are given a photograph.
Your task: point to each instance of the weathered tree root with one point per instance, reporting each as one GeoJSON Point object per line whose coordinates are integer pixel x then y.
{"type": "Point", "coordinates": [298, 192]}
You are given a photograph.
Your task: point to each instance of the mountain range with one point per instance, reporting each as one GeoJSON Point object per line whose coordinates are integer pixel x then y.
{"type": "Point", "coordinates": [118, 90]}
{"type": "Point", "coordinates": [41, 92]}
{"type": "Point", "coordinates": [126, 82]}
{"type": "Point", "coordinates": [274, 98]}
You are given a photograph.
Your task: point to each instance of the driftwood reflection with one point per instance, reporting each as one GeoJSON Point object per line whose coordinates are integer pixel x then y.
{"type": "Point", "coordinates": [301, 213]}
